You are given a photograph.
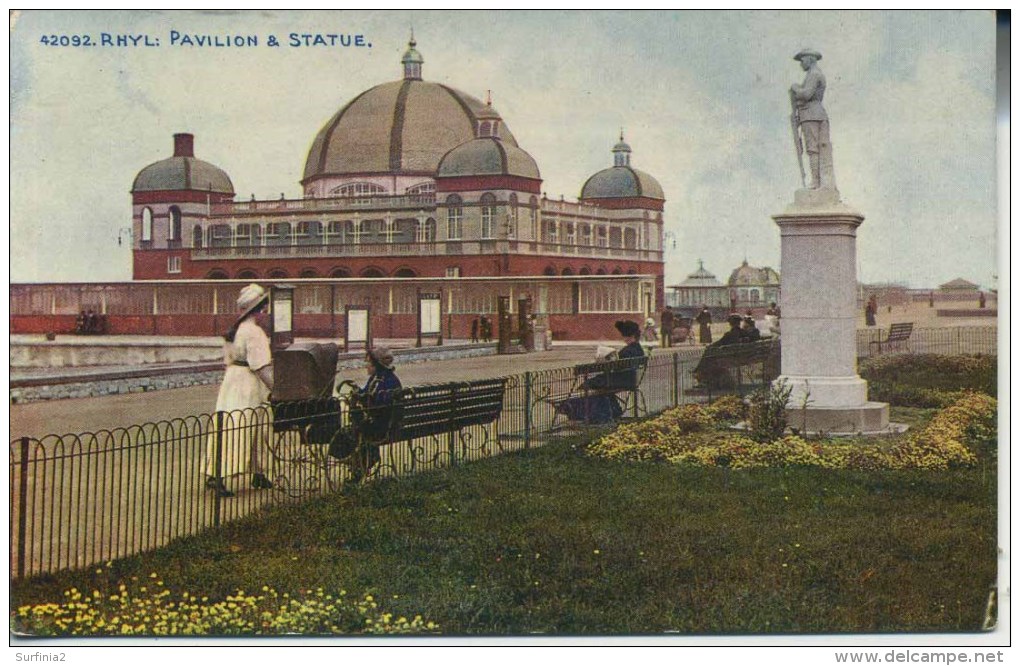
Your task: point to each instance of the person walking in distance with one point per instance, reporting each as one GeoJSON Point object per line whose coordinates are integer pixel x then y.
{"type": "Point", "coordinates": [704, 320]}
{"type": "Point", "coordinates": [247, 382]}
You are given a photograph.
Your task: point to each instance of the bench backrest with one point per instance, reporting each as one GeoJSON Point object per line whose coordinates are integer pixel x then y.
{"type": "Point", "coordinates": [743, 352]}
{"type": "Point", "coordinates": [435, 409]}
{"type": "Point", "coordinates": [618, 369]}
{"type": "Point", "coordinates": [900, 331]}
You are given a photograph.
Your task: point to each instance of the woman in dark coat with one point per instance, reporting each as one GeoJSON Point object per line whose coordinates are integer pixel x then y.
{"type": "Point", "coordinates": [704, 320]}
{"type": "Point", "coordinates": [605, 406]}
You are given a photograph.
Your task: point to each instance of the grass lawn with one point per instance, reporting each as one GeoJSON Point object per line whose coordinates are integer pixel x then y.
{"type": "Point", "coordinates": [554, 542]}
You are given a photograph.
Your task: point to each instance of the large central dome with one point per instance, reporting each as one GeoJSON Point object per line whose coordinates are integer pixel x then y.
{"type": "Point", "coordinates": [401, 127]}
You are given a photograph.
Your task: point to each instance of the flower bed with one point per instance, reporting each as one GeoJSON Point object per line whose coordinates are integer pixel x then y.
{"type": "Point", "coordinates": [695, 435]}
{"type": "Point", "coordinates": [149, 609]}
{"type": "Point", "coordinates": [928, 380]}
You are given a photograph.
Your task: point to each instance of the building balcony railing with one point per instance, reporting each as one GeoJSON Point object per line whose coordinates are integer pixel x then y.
{"type": "Point", "coordinates": [338, 204]}
{"type": "Point", "coordinates": [421, 249]}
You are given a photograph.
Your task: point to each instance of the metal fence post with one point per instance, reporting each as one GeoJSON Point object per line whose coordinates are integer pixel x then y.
{"type": "Point", "coordinates": [676, 380]}
{"type": "Point", "coordinates": [527, 409]}
{"type": "Point", "coordinates": [22, 508]}
{"type": "Point", "coordinates": [218, 468]}
{"type": "Point", "coordinates": [451, 445]}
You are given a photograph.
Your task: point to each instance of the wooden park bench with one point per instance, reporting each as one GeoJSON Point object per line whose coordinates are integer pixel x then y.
{"type": "Point", "coordinates": [897, 337]}
{"type": "Point", "coordinates": [737, 367]}
{"type": "Point", "coordinates": [601, 380]}
{"type": "Point", "coordinates": [331, 430]}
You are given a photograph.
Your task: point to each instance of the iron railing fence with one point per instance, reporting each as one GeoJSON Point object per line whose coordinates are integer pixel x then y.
{"type": "Point", "coordinates": [82, 499]}
{"type": "Point", "coordinates": [954, 340]}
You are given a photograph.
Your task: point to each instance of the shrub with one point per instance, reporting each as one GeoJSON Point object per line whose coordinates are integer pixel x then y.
{"type": "Point", "coordinates": [921, 380]}
{"type": "Point", "coordinates": [766, 411]}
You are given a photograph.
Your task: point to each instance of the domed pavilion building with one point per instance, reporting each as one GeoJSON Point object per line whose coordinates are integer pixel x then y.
{"type": "Point", "coordinates": [411, 179]}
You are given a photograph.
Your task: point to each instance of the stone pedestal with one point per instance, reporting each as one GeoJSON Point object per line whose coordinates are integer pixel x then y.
{"type": "Point", "coordinates": [819, 320]}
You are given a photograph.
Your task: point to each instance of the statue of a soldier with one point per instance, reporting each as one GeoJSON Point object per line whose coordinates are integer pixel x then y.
{"type": "Point", "coordinates": [810, 118]}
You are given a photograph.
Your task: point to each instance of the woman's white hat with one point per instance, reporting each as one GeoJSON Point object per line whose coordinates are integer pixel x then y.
{"type": "Point", "coordinates": [251, 296]}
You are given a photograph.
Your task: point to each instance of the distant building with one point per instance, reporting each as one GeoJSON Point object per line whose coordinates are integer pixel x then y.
{"type": "Point", "coordinates": [751, 287]}
{"type": "Point", "coordinates": [700, 289]}
{"type": "Point", "coordinates": [957, 285]}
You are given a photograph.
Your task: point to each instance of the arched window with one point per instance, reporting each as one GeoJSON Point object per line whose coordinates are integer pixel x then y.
{"type": "Point", "coordinates": [600, 271]}
{"type": "Point", "coordinates": [335, 232]}
{"type": "Point", "coordinates": [568, 233]}
{"type": "Point", "coordinates": [511, 230]}
{"type": "Point", "coordinates": [372, 272]}
{"type": "Point", "coordinates": [425, 231]}
{"type": "Point", "coordinates": [568, 271]}
{"type": "Point", "coordinates": [615, 237]}
{"type": "Point", "coordinates": [533, 210]}
{"type": "Point", "coordinates": [631, 271]}
{"type": "Point", "coordinates": [174, 232]}
{"type": "Point", "coordinates": [243, 235]}
{"type": "Point", "coordinates": [308, 233]}
{"type": "Point", "coordinates": [617, 271]}
{"type": "Point", "coordinates": [549, 270]}
{"type": "Point", "coordinates": [216, 274]}
{"type": "Point", "coordinates": [488, 215]}
{"type": "Point", "coordinates": [278, 233]}
{"type": "Point", "coordinates": [197, 236]}
{"type": "Point", "coordinates": [454, 217]}
{"type": "Point", "coordinates": [630, 239]}
{"type": "Point", "coordinates": [584, 234]}
{"type": "Point", "coordinates": [404, 273]}
{"type": "Point", "coordinates": [485, 128]}
{"type": "Point", "coordinates": [146, 224]}
{"type": "Point", "coordinates": [339, 273]}
{"type": "Point", "coordinates": [422, 192]}
{"type": "Point", "coordinates": [551, 232]}
{"type": "Point", "coordinates": [247, 274]}
{"type": "Point", "coordinates": [278, 274]}
{"type": "Point", "coordinates": [600, 237]}
{"type": "Point", "coordinates": [359, 192]}
{"type": "Point", "coordinates": [220, 235]}
{"type": "Point", "coordinates": [308, 273]}
{"type": "Point", "coordinates": [584, 271]}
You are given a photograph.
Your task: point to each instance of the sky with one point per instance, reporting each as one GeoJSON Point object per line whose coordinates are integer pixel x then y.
{"type": "Point", "coordinates": [701, 97]}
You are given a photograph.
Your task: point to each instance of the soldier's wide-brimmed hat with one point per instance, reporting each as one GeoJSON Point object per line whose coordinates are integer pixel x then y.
{"type": "Point", "coordinates": [628, 328]}
{"type": "Point", "coordinates": [250, 298]}
{"type": "Point", "coordinates": [808, 52]}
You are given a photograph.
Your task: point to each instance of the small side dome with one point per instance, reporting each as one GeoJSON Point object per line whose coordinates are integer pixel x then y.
{"type": "Point", "coordinates": [183, 171]}
{"type": "Point", "coordinates": [488, 156]}
{"type": "Point", "coordinates": [621, 182]}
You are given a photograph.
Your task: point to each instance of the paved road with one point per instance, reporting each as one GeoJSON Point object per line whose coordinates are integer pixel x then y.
{"type": "Point", "coordinates": [93, 414]}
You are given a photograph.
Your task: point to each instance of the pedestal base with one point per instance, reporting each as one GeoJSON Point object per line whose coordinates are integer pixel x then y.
{"type": "Point", "coordinates": [825, 392]}
{"type": "Point", "coordinates": [871, 418]}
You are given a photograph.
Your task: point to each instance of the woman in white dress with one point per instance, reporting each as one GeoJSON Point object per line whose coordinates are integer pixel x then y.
{"type": "Point", "coordinates": [247, 383]}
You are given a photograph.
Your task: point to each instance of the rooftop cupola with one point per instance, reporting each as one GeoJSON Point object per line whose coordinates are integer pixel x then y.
{"type": "Point", "coordinates": [621, 152]}
{"type": "Point", "coordinates": [488, 119]}
{"type": "Point", "coordinates": [412, 61]}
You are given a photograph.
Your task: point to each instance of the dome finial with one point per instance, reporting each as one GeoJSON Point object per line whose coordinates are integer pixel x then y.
{"type": "Point", "coordinates": [488, 98]}
{"type": "Point", "coordinates": [412, 60]}
{"type": "Point", "coordinates": [621, 152]}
